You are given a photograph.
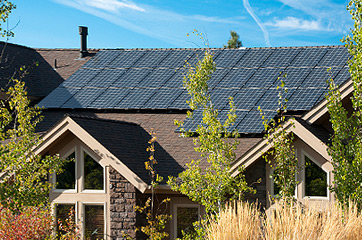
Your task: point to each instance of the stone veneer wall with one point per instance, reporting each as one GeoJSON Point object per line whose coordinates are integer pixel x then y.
{"type": "Point", "coordinates": [254, 172]}
{"type": "Point", "coordinates": [122, 200]}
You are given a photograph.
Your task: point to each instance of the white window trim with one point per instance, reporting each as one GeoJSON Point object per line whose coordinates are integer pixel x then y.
{"type": "Point", "coordinates": [82, 150]}
{"type": "Point", "coordinates": [186, 205]}
{"type": "Point", "coordinates": [54, 175]}
{"type": "Point", "coordinates": [305, 154]}
{"type": "Point", "coordinates": [83, 204]}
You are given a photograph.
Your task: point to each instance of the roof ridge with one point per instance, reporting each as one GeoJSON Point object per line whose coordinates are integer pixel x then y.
{"type": "Point", "coordinates": [221, 48]}
{"type": "Point", "coordinates": [74, 115]}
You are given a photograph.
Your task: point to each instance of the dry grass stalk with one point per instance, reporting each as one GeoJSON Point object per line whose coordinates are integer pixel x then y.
{"type": "Point", "coordinates": [240, 223]}
{"type": "Point", "coordinates": [288, 222]}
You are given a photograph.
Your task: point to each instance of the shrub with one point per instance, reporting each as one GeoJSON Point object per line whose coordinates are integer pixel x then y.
{"type": "Point", "coordinates": [28, 223]}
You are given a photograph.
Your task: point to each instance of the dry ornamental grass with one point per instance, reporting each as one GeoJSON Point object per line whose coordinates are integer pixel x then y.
{"type": "Point", "coordinates": [288, 222]}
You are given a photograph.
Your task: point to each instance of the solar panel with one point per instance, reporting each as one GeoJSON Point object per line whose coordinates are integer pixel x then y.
{"type": "Point", "coordinates": [190, 124]}
{"type": "Point", "coordinates": [216, 77]}
{"type": "Point", "coordinates": [83, 98]}
{"type": "Point", "coordinates": [229, 57]}
{"type": "Point", "coordinates": [281, 58]}
{"type": "Point", "coordinates": [131, 78]}
{"type": "Point", "coordinates": [106, 78]}
{"type": "Point", "coordinates": [151, 58]}
{"type": "Point", "coordinates": [220, 97]}
{"type": "Point", "coordinates": [57, 97]}
{"type": "Point", "coordinates": [253, 123]}
{"type": "Point", "coordinates": [163, 98]}
{"type": "Point", "coordinates": [318, 77]}
{"type": "Point", "coordinates": [180, 101]}
{"type": "Point", "coordinates": [269, 101]}
{"type": "Point", "coordinates": [125, 59]}
{"type": "Point", "coordinates": [176, 81]}
{"type": "Point", "coordinates": [293, 77]}
{"type": "Point", "coordinates": [263, 78]}
{"type": "Point", "coordinates": [136, 99]}
{"type": "Point", "coordinates": [176, 58]}
{"type": "Point", "coordinates": [254, 58]}
{"type": "Point", "coordinates": [236, 78]}
{"type": "Point", "coordinates": [246, 98]}
{"type": "Point", "coordinates": [102, 59]}
{"type": "Point", "coordinates": [80, 78]}
{"type": "Point", "coordinates": [335, 57]}
{"type": "Point", "coordinates": [196, 57]}
{"type": "Point", "coordinates": [157, 78]}
{"type": "Point", "coordinates": [308, 57]}
{"type": "Point", "coordinates": [342, 76]}
{"type": "Point", "coordinates": [109, 98]}
{"type": "Point", "coordinates": [305, 99]}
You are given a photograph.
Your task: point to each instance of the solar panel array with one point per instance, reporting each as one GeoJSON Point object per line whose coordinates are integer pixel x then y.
{"type": "Point", "coordinates": [153, 79]}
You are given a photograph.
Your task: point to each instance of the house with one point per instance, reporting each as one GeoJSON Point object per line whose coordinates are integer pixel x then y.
{"type": "Point", "coordinates": [101, 116]}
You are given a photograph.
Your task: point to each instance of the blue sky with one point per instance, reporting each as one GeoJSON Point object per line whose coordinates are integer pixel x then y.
{"type": "Point", "coordinates": [165, 23]}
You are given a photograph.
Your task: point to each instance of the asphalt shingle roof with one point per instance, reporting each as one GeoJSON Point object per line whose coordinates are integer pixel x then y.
{"type": "Point", "coordinates": [152, 79]}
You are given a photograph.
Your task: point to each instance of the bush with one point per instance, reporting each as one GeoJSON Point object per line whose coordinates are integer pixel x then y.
{"type": "Point", "coordinates": [28, 223]}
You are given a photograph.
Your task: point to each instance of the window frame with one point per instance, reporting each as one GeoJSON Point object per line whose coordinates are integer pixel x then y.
{"type": "Point", "coordinates": [104, 204]}
{"type": "Point", "coordinates": [82, 178]}
{"type": "Point", "coordinates": [302, 173]}
{"type": "Point", "coordinates": [185, 205]}
{"type": "Point", "coordinates": [54, 175]}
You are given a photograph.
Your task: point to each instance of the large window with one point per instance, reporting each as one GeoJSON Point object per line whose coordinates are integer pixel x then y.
{"type": "Point", "coordinates": [65, 218]}
{"type": "Point", "coordinates": [315, 179]}
{"type": "Point", "coordinates": [82, 181]}
{"type": "Point", "coordinates": [185, 216]}
{"type": "Point", "coordinates": [66, 179]}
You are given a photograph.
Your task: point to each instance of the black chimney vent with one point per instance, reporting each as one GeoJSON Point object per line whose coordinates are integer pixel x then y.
{"type": "Point", "coordinates": [83, 32]}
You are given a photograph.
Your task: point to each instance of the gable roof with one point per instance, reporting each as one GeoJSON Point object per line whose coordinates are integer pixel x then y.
{"type": "Point", "coordinates": [44, 74]}
{"type": "Point", "coordinates": [116, 151]}
{"type": "Point", "coordinates": [151, 79]}
{"type": "Point", "coordinates": [314, 136]}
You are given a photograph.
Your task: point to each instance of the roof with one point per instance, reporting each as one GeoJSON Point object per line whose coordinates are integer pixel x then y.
{"type": "Point", "coordinates": [151, 79]}
{"type": "Point", "coordinates": [172, 151]}
{"type": "Point", "coordinates": [44, 74]}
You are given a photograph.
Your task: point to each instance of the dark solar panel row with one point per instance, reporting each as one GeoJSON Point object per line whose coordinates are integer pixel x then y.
{"type": "Point", "coordinates": [153, 79]}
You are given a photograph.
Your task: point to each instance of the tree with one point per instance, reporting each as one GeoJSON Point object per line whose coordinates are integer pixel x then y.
{"type": "Point", "coordinates": [24, 175]}
{"type": "Point", "coordinates": [5, 9]}
{"type": "Point", "coordinates": [234, 41]}
{"type": "Point", "coordinates": [213, 186]}
{"type": "Point", "coordinates": [346, 141]}
{"type": "Point", "coordinates": [281, 157]}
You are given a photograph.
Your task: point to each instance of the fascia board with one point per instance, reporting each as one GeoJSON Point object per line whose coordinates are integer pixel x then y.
{"type": "Point", "coordinates": [68, 124]}
{"type": "Point", "coordinates": [321, 109]}
{"type": "Point", "coordinates": [262, 147]}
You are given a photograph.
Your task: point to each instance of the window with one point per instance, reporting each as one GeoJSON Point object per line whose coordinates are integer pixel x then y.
{"type": "Point", "coordinates": [82, 181]}
{"type": "Point", "coordinates": [93, 173]}
{"type": "Point", "coordinates": [65, 215]}
{"type": "Point", "coordinates": [94, 222]}
{"type": "Point", "coordinates": [315, 179]}
{"type": "Point", "coordinates": [185, 215]}
{"type": "Point", "coordinates": [66, 179]}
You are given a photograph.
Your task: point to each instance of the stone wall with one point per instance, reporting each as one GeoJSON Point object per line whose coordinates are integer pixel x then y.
{"type": "Point", "coordinates": [254, 172]}
{"type": "Point", "coordinates": [122, 200]}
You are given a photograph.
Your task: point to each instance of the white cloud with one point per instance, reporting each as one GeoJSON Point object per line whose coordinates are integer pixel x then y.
{"type": "Point", "coordinates": [257, 20]}
{"type": "Point", "coordinates": [111, 5]}
{"type": "Point", "coordinates": [296, 23]}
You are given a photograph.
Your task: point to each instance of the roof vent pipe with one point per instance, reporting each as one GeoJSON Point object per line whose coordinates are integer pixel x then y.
{"type": "Point", "coordinates": [83, 32]}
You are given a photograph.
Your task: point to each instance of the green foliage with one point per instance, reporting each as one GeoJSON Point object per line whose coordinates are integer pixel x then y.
{"type": "Point", "coordinates": [234, 41]}
{"type": "Point", "coordinates": [281, 157]}
{"type": "Point", "coordinates": [211, 186]}
{"type": "Point", "coordinates": [346, 146]}
{"type": "Point", "coordinates": [24, 175]}
{"type": "Point", "coordinates": [5, 9]}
